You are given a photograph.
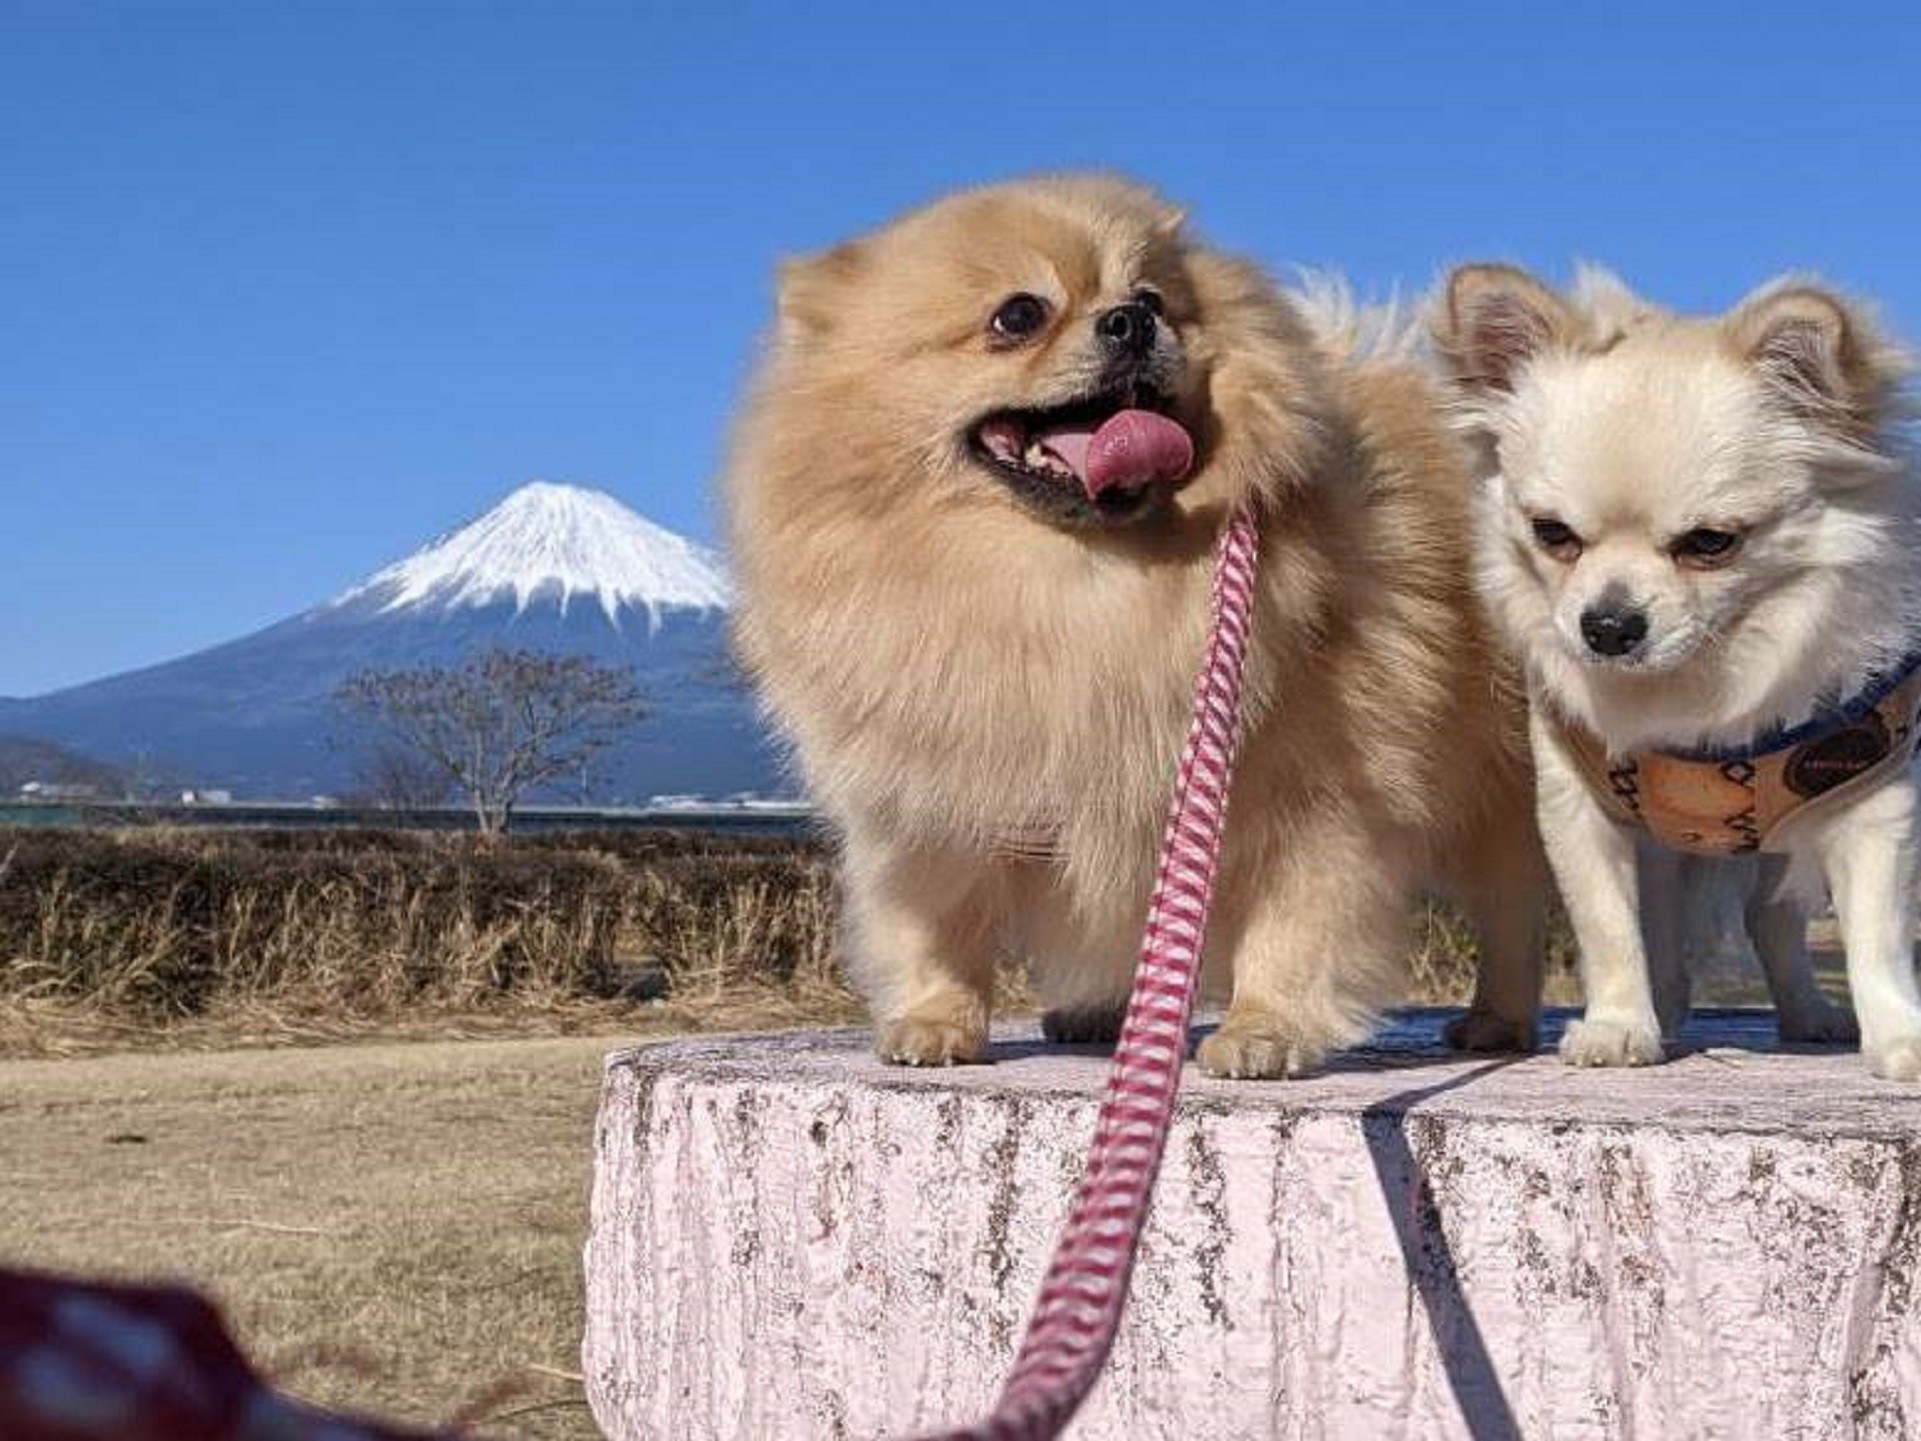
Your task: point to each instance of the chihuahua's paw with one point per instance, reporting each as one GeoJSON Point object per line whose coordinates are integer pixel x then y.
{"type": "Point", "coordinates": [913, 1040]}
{"type": "Point", "coordinates": [1083, 1025]}
{"type": "Point", "coordinates": [1609, 1043]}
{"type": "Point", "coordinates": [1898, 1059]}
{"type": "Point", "coordinates": [1820, 1025]}
{"type": "Point", "coordinates": [1485, 1031]}
{"type": "Point", "coordinates": [1257, 1051]}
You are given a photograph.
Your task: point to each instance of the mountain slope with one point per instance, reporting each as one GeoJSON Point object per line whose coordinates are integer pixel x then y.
{"type": "Point", "coordinates": [24, 760]}
{"type": "Point", "coordinates": [553, 568]}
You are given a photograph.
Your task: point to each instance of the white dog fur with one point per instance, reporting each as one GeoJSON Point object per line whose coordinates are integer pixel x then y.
{"type": "Point", "coordinates": [1630, 429]}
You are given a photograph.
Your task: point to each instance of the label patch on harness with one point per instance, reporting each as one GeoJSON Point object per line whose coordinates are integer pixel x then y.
{"type": "Point", "coordinates": [1836, 759]}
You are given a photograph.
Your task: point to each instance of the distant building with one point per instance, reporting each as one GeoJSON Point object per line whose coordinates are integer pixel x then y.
{"type": "Point", "coordinates": [756, 801]}
{"type": "Point", "coordinates": [60, 791]}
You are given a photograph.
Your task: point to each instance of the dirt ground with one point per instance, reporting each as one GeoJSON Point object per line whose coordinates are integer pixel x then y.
{"type": "Point", "coordinates": [392, 1228]}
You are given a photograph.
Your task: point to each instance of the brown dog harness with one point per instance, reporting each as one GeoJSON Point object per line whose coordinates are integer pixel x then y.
{"type": "Point", "coordinates": [1726, 802]}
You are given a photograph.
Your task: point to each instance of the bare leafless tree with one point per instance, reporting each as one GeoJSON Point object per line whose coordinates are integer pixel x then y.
{"type": "Point", "coordinates": [501, 723]}
{"type": "Point", "coordinates": [400, 780]}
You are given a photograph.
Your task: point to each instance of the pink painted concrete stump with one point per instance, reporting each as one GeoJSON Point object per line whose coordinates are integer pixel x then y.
{"type": "Point", "coordinates": [792, 1240]}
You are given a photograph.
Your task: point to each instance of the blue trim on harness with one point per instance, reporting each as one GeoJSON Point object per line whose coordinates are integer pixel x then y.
{"type": "Point", "coordinates": [1824, 721]}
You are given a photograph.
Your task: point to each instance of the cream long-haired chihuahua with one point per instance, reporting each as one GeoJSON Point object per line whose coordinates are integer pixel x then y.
{"type": "Point", "coordinates": [1699, 534]}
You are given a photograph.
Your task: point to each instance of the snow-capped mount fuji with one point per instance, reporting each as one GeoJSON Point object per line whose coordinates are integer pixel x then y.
{"type": "Point", "coordinates": [553, 567]}
{"type": "Point", "coordinates": [553, 542]}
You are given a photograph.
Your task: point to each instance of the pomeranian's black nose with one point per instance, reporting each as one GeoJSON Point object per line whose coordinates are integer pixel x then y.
{"type": "Point", "coordinates": [1613, 629]}
{"type": "Point", "coordinates": [1128, 328]}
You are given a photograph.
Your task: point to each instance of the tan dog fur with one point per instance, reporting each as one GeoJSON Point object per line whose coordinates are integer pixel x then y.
{"type": "Point", "coordinates": [960, 677]}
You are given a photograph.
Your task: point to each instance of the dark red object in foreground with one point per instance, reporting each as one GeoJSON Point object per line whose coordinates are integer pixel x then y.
{"type": "Point", "coordinates": [85, 1362]}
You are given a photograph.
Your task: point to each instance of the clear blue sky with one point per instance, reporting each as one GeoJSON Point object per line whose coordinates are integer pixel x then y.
{"type": "Point", "coordinates": [287, 287]}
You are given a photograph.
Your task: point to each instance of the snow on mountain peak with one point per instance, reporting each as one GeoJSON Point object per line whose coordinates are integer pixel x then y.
{"type": "Point", "coordinates": [554, 541]}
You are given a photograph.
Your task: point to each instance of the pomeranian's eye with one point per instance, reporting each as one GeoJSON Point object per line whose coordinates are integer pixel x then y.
{"type": "Point", "coordinates": [1556, 539]}
{"type": "Point", "coordinates": [1019, 317]}
{"type": "Point", "coordinates": [1704, 548]}
{"type": "Point", "coordinates": [1152, 300]}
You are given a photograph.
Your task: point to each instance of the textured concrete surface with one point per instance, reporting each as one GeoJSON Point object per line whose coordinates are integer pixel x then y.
{"type": "Point", "coordinates": [790, 1240]}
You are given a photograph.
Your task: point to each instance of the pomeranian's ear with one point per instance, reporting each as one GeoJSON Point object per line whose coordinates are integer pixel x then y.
{"type": "Point", "coordinates": [1819, 352]}
{"type": "Point", "coordinates": [812, 288]}
{"type": "Point", "coordinates": [1494, 319]}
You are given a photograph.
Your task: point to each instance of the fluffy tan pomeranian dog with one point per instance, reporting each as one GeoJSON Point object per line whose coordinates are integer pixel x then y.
{"type": "Point", "coordinates": [972, 502]}
{"type": "Point", "coordinates": [1699, 533]}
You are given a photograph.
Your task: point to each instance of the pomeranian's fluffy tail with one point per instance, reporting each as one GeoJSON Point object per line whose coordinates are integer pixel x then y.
{"type": "Point", "coordinates": [1388, 330]}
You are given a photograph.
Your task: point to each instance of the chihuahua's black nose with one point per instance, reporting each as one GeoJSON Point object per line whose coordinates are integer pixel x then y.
{"type": "Point", "coordinates": [1613, 629]}
{"type": "Point", "coordinates": [1127, 328]}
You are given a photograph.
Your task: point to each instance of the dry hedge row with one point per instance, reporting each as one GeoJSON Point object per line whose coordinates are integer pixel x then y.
{"type": "Point", "coordinates": [169, 923]}
{"type": "Point", "coordinates": [307, 932]}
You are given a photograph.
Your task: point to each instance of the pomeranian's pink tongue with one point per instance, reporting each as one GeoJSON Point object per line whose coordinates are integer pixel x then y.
{"type": "Point", "coordinates": [1131, 447]}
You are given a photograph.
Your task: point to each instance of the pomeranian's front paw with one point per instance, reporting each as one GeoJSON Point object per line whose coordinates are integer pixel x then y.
{"type": "Point", "coordinates": [919, 1039]}
{"type": "Point", "coordinates": [1244, 1050]}
{"type": "Point", "coordinates": [1897, 1059]}
{"type": "Point", "coordinates": [1083, 1025]}
{"type": "Point", "coordinates": [1822, 1025]}
{"type": "Point", "coordinates": [1611, 1043]}
{"type": "Point", "coordinates": [1485, 1031]}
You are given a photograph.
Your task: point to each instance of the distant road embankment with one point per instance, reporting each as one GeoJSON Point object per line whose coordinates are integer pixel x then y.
{"type": "Point", "coordinates": [768, 819]}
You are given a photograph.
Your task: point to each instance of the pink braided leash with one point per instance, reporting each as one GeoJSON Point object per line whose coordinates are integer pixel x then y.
{"type": "Point", "coordinates": [1073, 1323]}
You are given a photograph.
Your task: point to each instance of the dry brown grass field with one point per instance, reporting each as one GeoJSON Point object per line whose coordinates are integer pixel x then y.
{"type": "Point", "coordinates": [392, 1228]}
{"type": "Point", "coordinates": [392, 1224]}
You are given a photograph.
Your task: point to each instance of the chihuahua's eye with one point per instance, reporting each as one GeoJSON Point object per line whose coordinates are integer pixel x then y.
{"type": "Point", "coordinates": [1705, 548]}
{"type": "Point", "coordinates": [1556, 539]}
{"type": "Point", "coordinates": [1019, 317]}
{"type": "Point", "coordinates": [1152, 300]}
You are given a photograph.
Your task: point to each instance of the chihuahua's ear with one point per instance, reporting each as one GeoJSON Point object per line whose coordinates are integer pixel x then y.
{"type": "Point", "coordinates": [812, 288]}
{"type": "Point", "coordinates": [1818, 351]}
{"type": "Point", "coordinates": [1494, 319]}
